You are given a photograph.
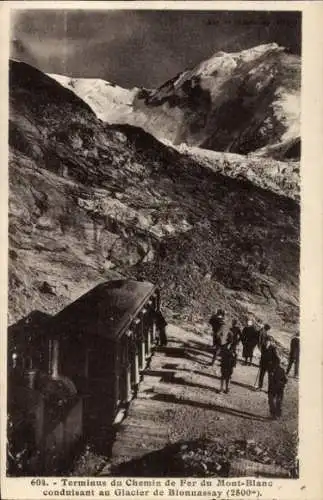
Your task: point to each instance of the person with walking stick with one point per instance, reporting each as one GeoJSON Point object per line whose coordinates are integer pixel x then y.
{"type": "Point", "coordinates": [268, 359]}
{"type": "Point", "coordinates": [276, 386]}
{"type": "Point", "coordinates": [263, 335]}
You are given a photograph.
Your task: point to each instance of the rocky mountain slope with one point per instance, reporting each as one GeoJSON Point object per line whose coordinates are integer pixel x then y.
{"type": "Point", "coordinates": [238, 102]}
{"type": "Point", "coordinates": [89, 202]}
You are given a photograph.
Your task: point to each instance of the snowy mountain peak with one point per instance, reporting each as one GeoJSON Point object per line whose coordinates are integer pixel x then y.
{"type": "Point", "coordinates": [239, 102]}
{"type": "Point", "coordinates": [101, 96]}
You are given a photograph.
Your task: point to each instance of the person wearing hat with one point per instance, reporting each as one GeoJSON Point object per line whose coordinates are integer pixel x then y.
{"type": "Point", "coordinates": [263, 335]}
{"type": "Point", "coordinates": [268, 359]}
{"type": "Point", "coordinates": [228, 362]}
{"type": "Point", "coordinates": [217, 323]}
{"type": "Point", "coordinates": [236, 333]}
{"type": "Point", "coordinates": [277, 380]}
{"type": "Point", "coordinates": [249, 339]}
{"type": "Point", "coordinates": [294, 355]}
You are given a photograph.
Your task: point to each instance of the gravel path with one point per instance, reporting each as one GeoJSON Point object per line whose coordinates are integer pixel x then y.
{"type": "Point", "coordinates": [178, 400]}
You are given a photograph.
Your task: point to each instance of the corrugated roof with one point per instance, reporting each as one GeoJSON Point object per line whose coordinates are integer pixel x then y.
{"type": "Point", "coordinates": [106, 310]}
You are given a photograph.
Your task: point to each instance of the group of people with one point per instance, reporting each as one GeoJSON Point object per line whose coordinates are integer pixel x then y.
{"type": "Point", "coordinates": [225, 347]}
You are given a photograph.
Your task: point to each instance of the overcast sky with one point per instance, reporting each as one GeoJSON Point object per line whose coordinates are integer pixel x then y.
{"type": "Point", "coordinates": [142, 48]}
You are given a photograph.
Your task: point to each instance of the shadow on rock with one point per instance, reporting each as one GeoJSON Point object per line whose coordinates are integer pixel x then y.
{"type": "Point", "coordinates": [184, 459]}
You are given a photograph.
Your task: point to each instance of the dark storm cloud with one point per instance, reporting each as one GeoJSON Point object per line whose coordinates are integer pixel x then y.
{"type": "Point", "coordinates": [143, 48]}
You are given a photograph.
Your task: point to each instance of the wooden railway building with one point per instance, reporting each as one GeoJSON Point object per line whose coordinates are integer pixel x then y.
{"type": "Point", "coordinates": [81, 368]}
{"type": "Point", "coordinates": [103, 340]}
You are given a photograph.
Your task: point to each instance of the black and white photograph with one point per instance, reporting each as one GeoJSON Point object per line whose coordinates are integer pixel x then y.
{"type": "Point", "coordinates": [154, 245]}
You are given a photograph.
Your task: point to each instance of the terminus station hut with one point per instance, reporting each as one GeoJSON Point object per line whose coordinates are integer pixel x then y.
{"type": "Point", "coordinates": [102, 341]}
{"type": "Point", "coordinates": [85, 364]}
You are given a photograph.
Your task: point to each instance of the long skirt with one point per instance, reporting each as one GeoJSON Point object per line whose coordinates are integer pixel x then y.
{"type": "Point", "coordinates": [247, 351]}
{"type": "Point", "coordinates": [226, 372]}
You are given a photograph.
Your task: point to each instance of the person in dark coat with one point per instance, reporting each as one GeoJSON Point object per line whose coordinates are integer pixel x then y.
{"type": "Point", "coordinates": [268, 359]}
{"type": "Point", "coordinates": [294, 355]}
{"type": "Point", "coordinates": [263, 335]}
{"type": "Point", "coordinates": [236, 334]}
{"type": "Point", "coordinates": [161, 324]}
{"type": "Point", "coordinates": [228, 362]}
{"type": "Point", "coordinates": [249, 339]}
{"type": "Point", "coordinates": [217, 323]}
{"type": "Point", "coordinates": [277, 380]}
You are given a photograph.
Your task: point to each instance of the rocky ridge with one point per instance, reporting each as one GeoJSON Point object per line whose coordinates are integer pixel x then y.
{"type": "Point", "coordinates": [281, 177]}
{"type": "Point", "coordinates": [234, 102]}
{"type": "Point", "coordinates": [89, 202]}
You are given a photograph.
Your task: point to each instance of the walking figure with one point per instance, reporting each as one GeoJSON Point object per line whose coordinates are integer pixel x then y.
{"type": "Point", "coordinates": [228, 362]}
{"type": "Point", "coordinates": [161, 324]}
{"type": "Point", "coordinates": [268, 359]}
{"type": "Point", "coordinates": [294, 355]}
{"type": "Point", "coordinates": [263, 335]}
{"type": "Point", "coordinates": [217, 323]}
{"type": "Point", "coordinates": [276, 386]}
{"type": "Point", "coordinates": [236, 334]}
{"type": "Point", "coordinates": [249, 339]}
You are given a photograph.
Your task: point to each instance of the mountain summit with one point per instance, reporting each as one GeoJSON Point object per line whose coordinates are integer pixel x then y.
{"type": "Point", "coordinates": [238, 102]}
{"type": "Point", "coordinates": [90, 202]}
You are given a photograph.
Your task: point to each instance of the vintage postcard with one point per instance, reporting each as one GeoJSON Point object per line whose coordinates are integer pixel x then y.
{"type": "Point", "coordinates": [162, 250]}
